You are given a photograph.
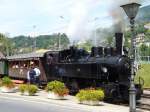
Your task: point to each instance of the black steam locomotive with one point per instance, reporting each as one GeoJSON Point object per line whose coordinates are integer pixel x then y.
{"type": "Point", "coordinates": [106, 68]}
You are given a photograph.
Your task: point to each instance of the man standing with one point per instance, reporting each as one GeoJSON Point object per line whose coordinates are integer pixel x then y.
{"type": "Point", "coordinates": [37, 71]}
{"type": "Point", "coordinates": [31, 75]}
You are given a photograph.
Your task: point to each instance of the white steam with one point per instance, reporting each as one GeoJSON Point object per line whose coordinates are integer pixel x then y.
{"type": "Point", "coordinates": [77, 28]}
{"type": "Point", "coordinates": [118, 14]}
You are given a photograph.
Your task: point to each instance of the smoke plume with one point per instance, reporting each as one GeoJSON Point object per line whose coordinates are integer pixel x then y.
{"type": "Point", "coordinates": [78, 26]}
{"type": "Point", "coordinates": [118, 15]}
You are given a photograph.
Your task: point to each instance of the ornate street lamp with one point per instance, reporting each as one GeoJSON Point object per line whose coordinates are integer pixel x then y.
{"type": "Point", "coordinates": [131, 11]}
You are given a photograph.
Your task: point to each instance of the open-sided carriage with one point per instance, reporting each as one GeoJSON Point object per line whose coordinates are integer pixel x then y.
{"type": "Point", "coordinates": [21, 63]}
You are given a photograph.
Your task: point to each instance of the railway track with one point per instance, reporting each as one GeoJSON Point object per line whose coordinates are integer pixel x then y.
{"type": "Point", "coordinates": [144, 107]}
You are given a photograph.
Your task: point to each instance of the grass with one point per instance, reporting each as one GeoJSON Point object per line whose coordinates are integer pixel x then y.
{"type": "Point", "coordinates": [144, 72]}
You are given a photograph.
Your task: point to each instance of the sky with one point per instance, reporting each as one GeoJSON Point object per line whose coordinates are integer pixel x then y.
{"type": "Point", "coordinates": [42, 17]}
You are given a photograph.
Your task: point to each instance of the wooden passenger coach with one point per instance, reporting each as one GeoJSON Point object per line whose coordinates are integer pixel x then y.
{"type": "Point", "coordinates": [20, 64]}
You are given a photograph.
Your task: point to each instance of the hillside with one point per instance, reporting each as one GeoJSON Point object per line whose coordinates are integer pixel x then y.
{"type": "Point", "coordinates": [144, 14]}
{"type": "Point", "coordinates": [26, 43]}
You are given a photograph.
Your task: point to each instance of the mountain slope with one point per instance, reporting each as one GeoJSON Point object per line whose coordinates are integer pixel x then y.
{"type": "Point", "coordinates": [144, 14]}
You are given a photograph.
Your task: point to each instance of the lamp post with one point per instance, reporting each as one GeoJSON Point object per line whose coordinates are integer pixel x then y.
{"type": "Point", "coordinates": [131, 11]}
{"type": "Point", "coordinates": [59, 41]}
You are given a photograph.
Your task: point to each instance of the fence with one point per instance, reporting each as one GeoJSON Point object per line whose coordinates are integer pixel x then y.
{"type": "Point", "coordinates": [144, 59]}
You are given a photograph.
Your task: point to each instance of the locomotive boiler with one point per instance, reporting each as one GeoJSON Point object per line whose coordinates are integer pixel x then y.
{"type": "Point", "coordinates": [104, 67]}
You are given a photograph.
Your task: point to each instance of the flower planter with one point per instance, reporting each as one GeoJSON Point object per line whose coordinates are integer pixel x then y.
{"type": "Point", "coordinates": [27, 94]}
{"type": "Point", "coordinates": [52, 95]}
{"type": "Point", "coordinates": [90, 102]}
{"type": "Point", "coordinates": [90, 96]}
{"type": "Point", "coordinates": [28, 90]}
{"type": "Point", "coordinates": [7, 90]}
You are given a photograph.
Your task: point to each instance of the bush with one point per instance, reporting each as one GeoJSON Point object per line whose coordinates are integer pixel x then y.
{"type": "Point", "coordinates": [144, 72]}
{"type": "Point", "coordinates": [90, 95]}
{"type": "Point", "coordinates": [7, 82]}
{"type": "Point", "coordinates": [0, 82]}
{"type": "Point", "coordinates": [23, 88]}
{"type": "Point", "coordinates": [57, 87]}
{"type": "Point", "coordinates": [31, 89]}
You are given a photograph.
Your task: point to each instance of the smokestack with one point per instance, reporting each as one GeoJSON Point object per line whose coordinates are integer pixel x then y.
{"type": "Point", "coordinates": [100, 51]}
{"type": "Point", "coordinates": [119, 43]}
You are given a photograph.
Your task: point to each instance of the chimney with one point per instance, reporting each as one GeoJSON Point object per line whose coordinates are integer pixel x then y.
{"type": "Point", "coordinates": [119, 43]}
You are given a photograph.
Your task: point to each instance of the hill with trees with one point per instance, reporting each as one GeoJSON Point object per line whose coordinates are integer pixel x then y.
{"type": "Point", "coordinates": [25, 44]}
{"type": "Point", "coordinates": [144, 14]}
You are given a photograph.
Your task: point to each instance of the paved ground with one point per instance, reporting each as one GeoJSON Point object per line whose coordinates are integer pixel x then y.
{"type": "Point", "coordinates": [70, 102]}
{"type": "Point", "coordinates": [15, 105]}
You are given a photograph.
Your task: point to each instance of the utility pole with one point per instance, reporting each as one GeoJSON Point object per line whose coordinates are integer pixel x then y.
{"type": "Point", "coordinates": [34, 39]}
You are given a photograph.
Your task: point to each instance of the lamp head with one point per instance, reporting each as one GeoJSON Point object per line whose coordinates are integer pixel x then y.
{"type": "Point", "coordinates": [131, 9]}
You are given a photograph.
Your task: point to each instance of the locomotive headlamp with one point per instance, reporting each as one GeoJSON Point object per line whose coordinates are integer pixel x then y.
{"type": "Point", "coordinates": [104, 69]}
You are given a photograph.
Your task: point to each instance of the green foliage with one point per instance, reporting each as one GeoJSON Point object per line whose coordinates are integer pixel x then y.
{"type": "Point", "coordinates": [5, 45]}
{"type": "Point", "coordinates": [24, 44]}
{"type": "Point", "coordinates": [140, 28]}
{"type": "Point", "coordinates": [90, 95]}
{"type": "Point", "coordinates": [147, 35]}
{"type": "Point", "coordinates": [87, 45]}
{"type": "Point", "coordinates": [31, 89]}
{"type": "Point", "coordinates": [57, 87]}
{"type": "Point", "coordinates": [7, 82]}
{"type": "Point", "coordinates": [22, 88]}
{"type": "Point", "coordinates": [145, 50]}
{"type": "Point", "coordinates": [0, 82]}
{"type": "Point", "coordinates": [144, 72]}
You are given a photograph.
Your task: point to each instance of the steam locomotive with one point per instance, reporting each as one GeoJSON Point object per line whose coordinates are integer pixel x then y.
{"type": "Point", "coordinates": [104, 67]}
{"type": "Point", "coordinates": [107, 68]}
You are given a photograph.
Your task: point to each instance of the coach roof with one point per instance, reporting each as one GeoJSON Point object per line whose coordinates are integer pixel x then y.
{"type": "Point", "coordinates": [28, 56]}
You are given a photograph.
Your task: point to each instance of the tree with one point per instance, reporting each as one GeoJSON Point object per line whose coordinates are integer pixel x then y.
{"type": "Point", "coordinates": [86, 45]}
{"type": "Point", "coordinates": [24, 44]}
{"type": "Point", "coordinates": [140, 28]}
{"type": "Point", "coordinates": [144, 50]}
{"type": "Point", "coordinates": [5, 45]}
{"type": "Point", "coordinates": [147, 35]}
{"type": "Point", "coordinates": [105, 35]}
